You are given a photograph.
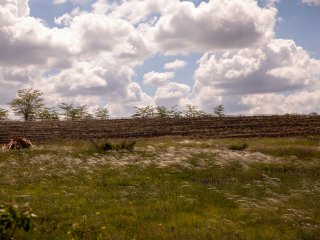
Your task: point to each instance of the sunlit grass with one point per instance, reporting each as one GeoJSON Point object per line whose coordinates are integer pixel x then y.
{"type": "Point", "coordinates": [167, 188]}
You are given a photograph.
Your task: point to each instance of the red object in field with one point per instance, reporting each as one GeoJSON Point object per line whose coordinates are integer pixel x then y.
{"type": "Point", "coordinates": [19, 143]}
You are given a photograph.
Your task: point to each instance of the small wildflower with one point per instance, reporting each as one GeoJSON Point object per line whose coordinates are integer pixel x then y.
{"type": "Point", "coordinates": [103, 228]}
{"type": "Point", "coordinates": [97, 213]}
{"type": "Point", "coordinates": [69, 232]}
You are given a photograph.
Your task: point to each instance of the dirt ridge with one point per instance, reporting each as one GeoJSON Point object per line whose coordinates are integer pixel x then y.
{"type": "Point", "coordinates": [218, 127]}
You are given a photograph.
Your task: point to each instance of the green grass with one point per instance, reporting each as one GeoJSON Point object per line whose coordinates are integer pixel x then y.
{"type": "Point", "coordinates": [238, 146]}
{"type": "Point", "coordinates": [167, 188]}
{"type": "Point", "coordinates": [104, 146]}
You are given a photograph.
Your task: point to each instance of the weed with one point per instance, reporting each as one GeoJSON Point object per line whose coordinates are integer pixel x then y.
{"type": "Point", "coordinates": [238, 146]}
{"type": "Point", "coordinates": [108, 146]}
{"type": "Point", "coordinates": [301, 152]}
{"type": "Point", "coordinates": [11, 220]}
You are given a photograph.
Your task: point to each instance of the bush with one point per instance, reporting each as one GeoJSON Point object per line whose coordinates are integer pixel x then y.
{"type": "Point", "coordinates": [125, 146]}
{"type": "Point", "coordinates": [11, 219]}
{"type": "Point", "coordinates": [238, 146]}
{"type": "Point", "coordinates": [108, 146]}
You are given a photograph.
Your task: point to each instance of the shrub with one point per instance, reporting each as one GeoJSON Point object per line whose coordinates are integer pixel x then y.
{"type": "Point", "coordinates": [238, 146]}
{"type": "Point", "coordinates": [11, 219]}
{"type": "Point", "coordinates": [107, 146]}
{"type": "Point", "coordinates": [125, 146]}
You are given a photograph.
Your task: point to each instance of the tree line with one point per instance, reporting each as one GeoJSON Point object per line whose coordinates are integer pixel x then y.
{"type": "Point", "coordinates": [29, 105]}
{"type": "Point", "coordinates": [190, 111]}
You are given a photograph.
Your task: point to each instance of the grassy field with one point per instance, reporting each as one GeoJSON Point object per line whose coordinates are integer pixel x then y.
{"type": "Point", "coordinates": [167, 188]}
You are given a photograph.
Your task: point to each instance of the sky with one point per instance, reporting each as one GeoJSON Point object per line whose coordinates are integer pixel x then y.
{"type": "Point", "coordinates": [251, 56]}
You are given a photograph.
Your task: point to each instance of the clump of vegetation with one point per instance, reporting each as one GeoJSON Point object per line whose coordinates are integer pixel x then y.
{"type": "Point", "coordinates": [219, 111]}
{"type": "Point", "coordinates": [3, 114]}
{"type": "Point", "coordinates": [108, 146]}
{"type": "Point", "coordinates": [11, 220]}
{"type": "Point", "coordinates": [238, 146]}
{"type": "Point", "coordinates": [301, 152]}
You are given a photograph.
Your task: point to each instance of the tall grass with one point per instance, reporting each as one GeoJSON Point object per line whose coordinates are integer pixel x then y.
{"type": "Point", "coordinates": [238, 146]}
{"type": "Point", "coordinates": [104, 146]}
{"type": "Point", "coordinates": [164, 189]}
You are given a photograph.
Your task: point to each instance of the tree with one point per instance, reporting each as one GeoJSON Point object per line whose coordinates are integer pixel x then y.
{"type": "Point", "coordinates": [219, 111]}
{"type": "Point", "coordinates": [144, 112]}
{"type": "Point", "coordinates": [175, 113]}
{"type": "Point", "coordinates": [192, 112]}
{"type": "Point", "coordinates": [102, 113]}
{"type": "Point", "coordinates": [161, 112]}
{"type": "Point", "coordinates": [47, 114]}
{"type": "Point", "coordinates": [3, 114]}
{"type": "Point", "coordinates": [28, 103]}
{"type": "Point", "coordinates": [73, 113]}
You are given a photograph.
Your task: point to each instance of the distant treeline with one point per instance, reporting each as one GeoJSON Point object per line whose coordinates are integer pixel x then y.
{"type": "Point", "coordinates": [30, 105]}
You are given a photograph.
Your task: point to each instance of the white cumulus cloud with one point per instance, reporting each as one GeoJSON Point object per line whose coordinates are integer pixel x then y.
{"type": "Point", "coordinates": [157, 78]}
{"type": "Point", "coordinates": [280, 68]}
{"type": "Point", "coordinates": [303, 102]}
{"type": "Point", "coordinates": [171, 94]}
{"type": "Point", "coordinates": [59, 1]}
{"type": "Point", "coordinates": [27, 41]}
{"type": "Point", "coordinates": [93, 55]}
{"type": "Point", "coordinates": [213, 25]}
{"type": "Point", "coordinates": [175, 65]}
{"type": "Point", "coordinates": [75, 2]}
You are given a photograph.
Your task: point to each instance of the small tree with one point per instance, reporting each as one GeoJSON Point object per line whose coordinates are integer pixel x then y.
{"type": "Point", "coordinates": [47, 114]}
{"type": "Point", "coordinates": [144, 112]}
{"type": "Point", "coordinates": [102, 113]}
{"type": "Point", "coordinates": [175, 113]}
{"type": "Point", "coordinates": [162, 112]}
{"type": "Point", "coordinates": [3, 114]}
{"type": "Point", "coordinates": [219, 111]}
{"type": "Point", "coordinates": [86, 115]}
{"type": "Point", "coordinates": [28, 103]}
{"type": "Point", "coordinates": [192, 112]}
{"type": "Point", "coordinates": [73, 113]}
